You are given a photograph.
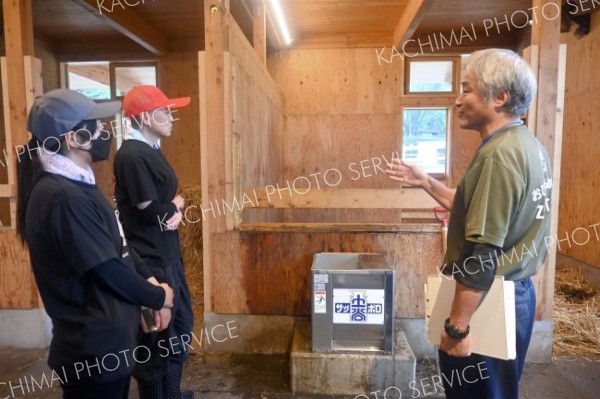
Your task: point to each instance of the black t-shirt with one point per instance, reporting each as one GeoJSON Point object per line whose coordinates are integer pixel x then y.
{"type": "Point", "coordinates": [71, 229]}
{"type": "Point", "coordinates": [143, 174]}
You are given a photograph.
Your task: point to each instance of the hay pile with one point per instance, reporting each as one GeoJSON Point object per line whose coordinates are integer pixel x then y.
{"type": "Point", "coordinates": [191, 245]}
{"type": "Point", "coordinates": [576, 315]}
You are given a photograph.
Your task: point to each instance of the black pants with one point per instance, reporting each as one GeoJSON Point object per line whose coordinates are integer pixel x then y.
{"type": "Point", "coordinates": [482, 377]}
{"type": "Point", "coordinates": [167, 345]}
{"type": "Point", "coordinates": [118, 389]}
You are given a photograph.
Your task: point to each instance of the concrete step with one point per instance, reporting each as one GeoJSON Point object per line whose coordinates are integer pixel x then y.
{"type": "Point", "coordinates": [350, 374]}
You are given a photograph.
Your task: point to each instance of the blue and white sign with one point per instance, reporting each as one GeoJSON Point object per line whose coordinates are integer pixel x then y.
{"type": "Point", "coordinates": [358, 306]}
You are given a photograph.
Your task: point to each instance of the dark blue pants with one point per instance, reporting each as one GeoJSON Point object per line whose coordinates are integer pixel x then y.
{"type": "Point", "coordinates": [167, 346]}
{"type": "Point", "coordinates": [482, 377]}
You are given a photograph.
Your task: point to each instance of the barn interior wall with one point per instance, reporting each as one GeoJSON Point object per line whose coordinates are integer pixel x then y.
{"type": "Point", "coordinates": [257, 122]}
{"type": "Point", "coordinates": [580, 170]}
{"type": "Point", "coordinates": [178, 77]}
{"type": "Point", "coordinates": [18, 290]}
{"type": "Point", "coordinates": [344, 111]}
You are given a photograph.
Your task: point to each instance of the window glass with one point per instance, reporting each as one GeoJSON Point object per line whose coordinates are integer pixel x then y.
{"type": "Point", "coordinates": [431, 76]}
{"type": "Point", "coordinates": [90, 78]}
{"type": "Point", "coordinates": [424, 138]}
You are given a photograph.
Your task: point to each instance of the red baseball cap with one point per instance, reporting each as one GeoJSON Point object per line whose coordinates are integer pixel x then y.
{"type": "Point", "coordinates": [147, 98]}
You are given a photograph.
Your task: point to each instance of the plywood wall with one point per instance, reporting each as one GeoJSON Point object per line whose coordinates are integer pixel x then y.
{"type": "Point", "coordinates": [344, 111]}
{"type": "Point", "coordinates": [50, 77]}
{"type": "Point", "coordinates": [178, 77]}
{"type": "Point", "coordinates": [17, 284]}
{"type": "Point", "coordinates": [50, 66]}
{"type": "Point", "coordinates": [580, 172]}
{"type": "Point", "coordinates": [269, 273]}
{"type": "Point", "coordinates": [255, 122]}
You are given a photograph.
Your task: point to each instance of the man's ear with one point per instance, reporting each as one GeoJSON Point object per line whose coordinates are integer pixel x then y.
{"type": "Point", "coordinates": [501, 99]}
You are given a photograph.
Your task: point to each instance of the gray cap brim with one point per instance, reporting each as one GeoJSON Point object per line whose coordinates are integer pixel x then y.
{"type": "Point", "coordinates": [104, 110]}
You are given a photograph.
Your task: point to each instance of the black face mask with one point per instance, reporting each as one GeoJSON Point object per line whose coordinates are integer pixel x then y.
{"type": "Point", "coordinates": [100, 150]}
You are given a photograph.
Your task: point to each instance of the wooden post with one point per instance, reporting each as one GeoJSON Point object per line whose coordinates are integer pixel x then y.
{"type": "Point", "coordinates": [546, 35]}
{"type": "Point", "coordinates": [18, 36]}
{"type": "Point", "coordinates": [21, 82]}
{"type": "Point", "coordinates": [260, 31]}
{"type": "Point", "coordinates": [212, 115]}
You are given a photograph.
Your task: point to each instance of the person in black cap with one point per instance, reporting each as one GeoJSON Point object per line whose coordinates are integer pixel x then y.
{"type": "Point", "coordinates": [91, 283]}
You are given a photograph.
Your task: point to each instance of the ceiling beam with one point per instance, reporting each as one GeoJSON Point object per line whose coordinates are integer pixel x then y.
{"type": "Point", "coordinates": [430, 43]}
{"type": "Point", "coordinates": [105, 50]}
{"type": "Point", "coordinates": [411, 19]}
{"type": "Point", "coordinates": [259, 41]}
{"type": "Point", "coordinates": [274, 38]}
{"type": "Point", "coordinates": [343, 40]}
{"type": "Point", "coordinates": [46, 42]}
{"type": "Point", "coordinates": [130, 24]}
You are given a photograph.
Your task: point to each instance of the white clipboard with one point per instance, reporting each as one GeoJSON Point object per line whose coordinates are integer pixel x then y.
{"type": "Point", "coordinates": [493, 325]}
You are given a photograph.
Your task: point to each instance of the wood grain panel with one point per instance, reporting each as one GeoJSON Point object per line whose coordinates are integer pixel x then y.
{"type": "Point", "coordinates": [254, 123]}
{"type": "Point", "coordinates": [447, 14]}
{"type": "Point", "coordinates": [357, 147]}
{"type": "Point", "coordinates": [17, 285]}
{"type": "Point", "coordinates": [580, 171]}
{"type": "Point", "coordinates": [343, 215]}
{"type": "Point", "coordinates": [178, 77]}
{"type": "Point", "coordinates": [273, 275]}
{"type": "Point", "coordinates": [408, 198]}
{"type": "Point", "coordinates": [336, 81]}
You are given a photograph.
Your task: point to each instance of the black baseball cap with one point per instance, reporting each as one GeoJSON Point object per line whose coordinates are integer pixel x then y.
{"type": "Point", "coordinates": [58, 111]}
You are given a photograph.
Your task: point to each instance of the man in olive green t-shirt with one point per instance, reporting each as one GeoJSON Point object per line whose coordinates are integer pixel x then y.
{"type": "Point", "coordinates": [500, 214]}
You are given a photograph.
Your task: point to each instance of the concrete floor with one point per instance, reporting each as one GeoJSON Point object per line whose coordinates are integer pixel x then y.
{"type": "Point", "coordinates": [214, 376]}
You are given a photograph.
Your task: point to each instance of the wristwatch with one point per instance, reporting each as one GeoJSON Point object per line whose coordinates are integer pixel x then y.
{"type": "Point", "coordinates": [455, 332]}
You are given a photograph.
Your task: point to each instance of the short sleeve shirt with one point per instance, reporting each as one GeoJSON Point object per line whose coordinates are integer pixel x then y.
{"type": "Point", "coordinates": [70, 230]}
{"type": "Point", "coordinates": [143, 174]}
{"type": "Point", "coordinates": [504, 200]}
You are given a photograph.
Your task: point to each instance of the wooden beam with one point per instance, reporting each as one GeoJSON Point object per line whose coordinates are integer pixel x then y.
{"type": "Point", "coordinates": [411, 19]}
{"type": "Point", "coordinates": [103, 50]}
{"type": "Point", "coordinates": [342, 40]}
{"type": "Point", "coordinates": [339, 228]}
{"type": "Point", "coordinates": [260, 31]}
{"type": "Point", "coordinates": [18, 36]}
{"type": "Point", "coordinates": [212, 131]}
{"type": "Point", "coordinates": [274, 38]}
{"type": "Point", "coordinates": [546, 35]}
{"type": "Point", "coordinates": [7, 190]}
{"type": "Point", "coordinates": [408, 198]}
{"type": "Point", "coordinates": [130, 24]}
{"type": "Point", "coordinates": [46, 42]}
{"type": "Point", "coordinates": [20, 79]}
{"type": "Point", "coordinates": [436, 43]}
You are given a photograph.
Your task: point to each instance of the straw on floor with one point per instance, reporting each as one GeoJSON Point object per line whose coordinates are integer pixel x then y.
{"type": "Point", "coordinates": [576, 315]}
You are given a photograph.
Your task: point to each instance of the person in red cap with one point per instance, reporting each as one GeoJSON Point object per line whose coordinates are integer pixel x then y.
{"type": "Point", "coordinates": [150, 209]}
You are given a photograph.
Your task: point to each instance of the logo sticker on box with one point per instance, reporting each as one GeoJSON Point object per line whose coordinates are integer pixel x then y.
{"type": "Point", "coordinates": [358, 306]}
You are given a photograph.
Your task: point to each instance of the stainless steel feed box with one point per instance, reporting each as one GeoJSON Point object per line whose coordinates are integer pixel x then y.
{"type": "Point", "coordinates": [352, 303]}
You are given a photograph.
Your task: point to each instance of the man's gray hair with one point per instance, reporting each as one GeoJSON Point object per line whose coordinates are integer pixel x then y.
{"type": "Point", "coordinates": [497, 71]}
